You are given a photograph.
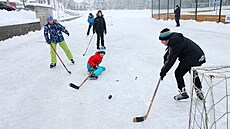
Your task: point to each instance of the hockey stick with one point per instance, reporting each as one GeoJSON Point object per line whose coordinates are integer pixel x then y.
{"type": "Point", "coordinates": [77, 87]}
{"type": "Point", "coordinates": [60, 59]}
{"type": "Point", "coordinates": [140, 119]}
{"type": "Point", "coordinates": [88, 45]}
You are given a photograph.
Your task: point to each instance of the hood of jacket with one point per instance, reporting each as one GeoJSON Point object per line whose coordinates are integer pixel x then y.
{"type": "Point", "coordinates": [175, 38]}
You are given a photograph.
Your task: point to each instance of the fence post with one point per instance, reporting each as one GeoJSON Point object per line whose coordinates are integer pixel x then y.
{"type": "Point", "coordinates": [196, 10]}
{"type": "Point", "coordinates": [220, 11]}
{"type": "Point", "coordinates": [159, 7]}
{"type": "Point", "coordinates": [168, 10]}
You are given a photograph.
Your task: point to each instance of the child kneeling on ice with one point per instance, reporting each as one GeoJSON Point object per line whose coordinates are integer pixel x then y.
{"type": "Point", "coordinates": [93, 64]}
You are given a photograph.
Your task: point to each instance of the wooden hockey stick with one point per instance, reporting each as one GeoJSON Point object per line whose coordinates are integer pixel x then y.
{"type": "Point", "coordinates": [142, 118]}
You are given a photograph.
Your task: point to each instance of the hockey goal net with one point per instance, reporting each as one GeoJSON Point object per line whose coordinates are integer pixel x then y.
{"type": "Point", "coordinates": [214, 111]}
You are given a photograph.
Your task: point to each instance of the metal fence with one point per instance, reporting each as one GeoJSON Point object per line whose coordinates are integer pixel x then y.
{"type": "Point", "coordinates": [200, 10]}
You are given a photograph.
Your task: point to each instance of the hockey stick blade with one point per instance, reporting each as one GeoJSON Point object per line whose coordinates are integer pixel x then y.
{"type": "Point", "coordinates": [69, 72]}
{"type": "Point", "coordinates": [74, 86]}
{"type": "Point", "coordinates": [139, 119]}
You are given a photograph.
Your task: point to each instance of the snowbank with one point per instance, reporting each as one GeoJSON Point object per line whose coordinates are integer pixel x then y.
{"type": "Point", "coordinates": [17, 17]}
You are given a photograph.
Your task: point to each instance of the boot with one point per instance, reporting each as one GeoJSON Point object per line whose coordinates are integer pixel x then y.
{"type": "Point", "coordinates": [72, 61]}
{"type": "Point", "coordinates": [103, 47]}
{"type": "Point", "coordinates": [52, 65]}
{"type": "Point", "coordinates": [93, 77]}
{"type": "Point", "coordinates": [199, 94]}
{"type": "Point", "coordinates": [182, 95]}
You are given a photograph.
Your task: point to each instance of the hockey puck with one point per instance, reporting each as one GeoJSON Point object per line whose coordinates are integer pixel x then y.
{"type": "Point", "coordinates": [117, 80]}
{"type": "Point", "coordinates": [110, 96]}
{"type": "Point", "coordinates": [135, 78]}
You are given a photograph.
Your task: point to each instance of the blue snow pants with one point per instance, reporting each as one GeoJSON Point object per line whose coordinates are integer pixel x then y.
{"type": "Point", "coordinates": [97, 72]}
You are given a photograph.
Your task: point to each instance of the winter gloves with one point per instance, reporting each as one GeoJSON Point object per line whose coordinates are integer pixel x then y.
{"type": "Point", "coordinates": [104, 32]}
{"type": "Point", "coordinates": [48, 41]}
{"type": "Point", "coordinates": [162, 75]}
{"type": "Point", "coordinates": [67, 33]}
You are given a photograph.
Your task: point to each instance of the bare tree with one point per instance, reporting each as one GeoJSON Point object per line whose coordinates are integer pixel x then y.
{"type": "Point", "coordinates": [128, 4]}
{"type": "Point", "coordinates": [23, 2]}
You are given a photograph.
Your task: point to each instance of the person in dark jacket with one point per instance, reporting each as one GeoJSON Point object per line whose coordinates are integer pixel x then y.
{"type": "Point", "coordinates": [188, 53]}
{"type": "Point", "coordinates": [93, 64]}
{"type": "Point", "coordinates": [90, 21]}
{"type": "Point", "coordinates": [53, 36]}
{"type": "Point", "coordinates": [177, 15]}
{"type": "Point", "coordinates": [100, 28]}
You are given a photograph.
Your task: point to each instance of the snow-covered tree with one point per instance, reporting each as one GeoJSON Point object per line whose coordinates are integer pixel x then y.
{"type": "Point", "coordinates": [100, 4]}
{"type": "Point", "coordinates": [128, 4]}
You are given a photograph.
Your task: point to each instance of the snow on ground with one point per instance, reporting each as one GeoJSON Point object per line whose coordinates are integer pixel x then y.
{"type": "Point", "coordinates": [23, 16]}
{"type": "Point", "coordinates": [17, 17]}
{"type": "Point", "coordinates": [34, 96]}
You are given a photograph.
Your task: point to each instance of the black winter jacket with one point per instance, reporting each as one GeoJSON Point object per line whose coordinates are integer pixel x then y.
{"type": "Point", "coordinates": [99, 25]}
{"type": "Point", "coordinates": [177, 12]}
{"type": "Point", "coordinates": [188, 53]}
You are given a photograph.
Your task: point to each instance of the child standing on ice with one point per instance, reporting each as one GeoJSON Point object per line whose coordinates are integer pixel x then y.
{"type": "Point", "coordinates": [177, 15]}
{"type": "Point", "coordinates": [53, 36]}
{"type": "Point", "coordinates": [90, 21]}
{"type": "Point", "coordinates": [100, 28]}
{"type": "Point", "coordinates": [93, 64]}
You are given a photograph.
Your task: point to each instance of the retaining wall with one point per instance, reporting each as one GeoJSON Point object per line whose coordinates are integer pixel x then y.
{"type": "Point", "coordinates": [17, 30]}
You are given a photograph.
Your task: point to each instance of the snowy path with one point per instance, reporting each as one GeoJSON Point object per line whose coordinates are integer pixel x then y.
{"type": "Point", "coordinates": [33, 96]}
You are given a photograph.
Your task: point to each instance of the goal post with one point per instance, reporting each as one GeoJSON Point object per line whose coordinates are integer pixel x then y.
{"type": "Point", "coordinates": [214, 111]}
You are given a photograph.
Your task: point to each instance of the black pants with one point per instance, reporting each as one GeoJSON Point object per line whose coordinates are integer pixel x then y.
{"type": "Point", "coordinates": [179, 74]}
{"type": "Point", "coordinates": [177, 19]}
{"type": "Point", "coordinates": [89, 29]}
{"type": "Point", "coordinates": [100, 36]}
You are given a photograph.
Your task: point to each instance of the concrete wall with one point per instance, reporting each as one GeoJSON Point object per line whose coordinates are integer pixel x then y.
{"type": "Point", "coordinates": [42, 12]}
{"type": "Point", "coordinates": [21, 29]}
{"type": "Point", "coordinates": [17, 30]}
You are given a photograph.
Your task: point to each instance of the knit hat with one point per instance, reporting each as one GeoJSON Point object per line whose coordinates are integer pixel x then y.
{"type": "Point", "coordinates": [101, 51]}
{"type": "Point", "coordinates": [49, 18]}
{"type": "Point", "coordinates": [165, 34]}
{"type": "Point", "coordinates": [99, 11]}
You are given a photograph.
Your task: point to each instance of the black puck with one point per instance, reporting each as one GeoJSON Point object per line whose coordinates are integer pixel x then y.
{"type": "Point", "coordinates": [110, 96]}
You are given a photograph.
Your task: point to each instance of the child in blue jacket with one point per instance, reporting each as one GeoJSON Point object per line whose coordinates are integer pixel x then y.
{"type": "Point", "coordinates": [53, 36]}
{"type": "Point", "coordinates": [91, 21]}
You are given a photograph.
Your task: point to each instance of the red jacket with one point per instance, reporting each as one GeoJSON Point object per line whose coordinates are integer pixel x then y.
{"type": "Point", "coordinates": [95, 60]}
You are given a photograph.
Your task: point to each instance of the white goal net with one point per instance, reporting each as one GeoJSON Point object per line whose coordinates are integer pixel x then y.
{"type": "Point", "coordinates": [214, 111]}
{"type": "Point", "coordinates": [109, 20]}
